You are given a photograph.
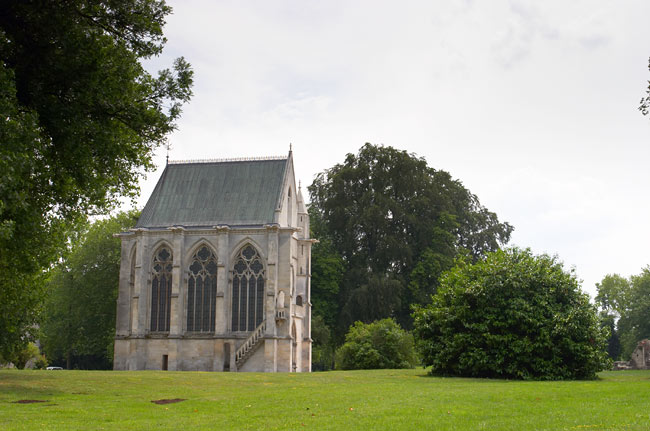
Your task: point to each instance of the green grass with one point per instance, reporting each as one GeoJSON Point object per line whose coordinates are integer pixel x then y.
{"type": "Point", "coordinates": [364, 400]}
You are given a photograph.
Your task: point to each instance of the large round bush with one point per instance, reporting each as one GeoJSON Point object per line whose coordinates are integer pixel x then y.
{"type": "Point", "coordinates": [512, 315]}
{"type": "Point", "coordinates": [380, 344]}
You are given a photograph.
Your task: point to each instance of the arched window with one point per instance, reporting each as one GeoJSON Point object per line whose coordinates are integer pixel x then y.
{"type": "Point", "coordinates": [161, 290]}
{"type": "Point", "coordinates": [247, 290]}
{"type": "Point", "coordinates": [202, 291]}
{"type": "Point", "coordinates": [299, 300]}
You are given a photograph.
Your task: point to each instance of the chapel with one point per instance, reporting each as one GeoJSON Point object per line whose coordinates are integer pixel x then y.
{"type": "Point", "coordinates": [215, 276]}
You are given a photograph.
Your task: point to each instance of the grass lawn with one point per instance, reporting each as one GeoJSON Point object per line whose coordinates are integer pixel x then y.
{"type": "Point", "coordinates": [364, 400]}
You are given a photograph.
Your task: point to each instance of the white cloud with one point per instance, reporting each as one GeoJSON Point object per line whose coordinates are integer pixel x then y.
{"type": "Point", "coordinates": [531, 104]}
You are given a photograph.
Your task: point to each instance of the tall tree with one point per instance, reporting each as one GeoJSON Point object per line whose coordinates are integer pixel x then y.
{"type": "Point", "coordinates": [327, 269]}
{"type": "Point", "coordinates": [78, 325]}
{"type": "Point", "coordinates": [612, 294]}
{"type": "Point", "coordinates": [627, 303]}
{"type": "Point", "coordinates": [81, 118]}
{"type": "Point", "coordinates": [397, 224]}
{"type": "Point", "coordinates": [634, 323]}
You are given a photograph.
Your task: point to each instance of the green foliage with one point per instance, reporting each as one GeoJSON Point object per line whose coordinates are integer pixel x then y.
{"type": "Point", "coordinates": [608, 321]}
{"type": "Point", "coordinates": [376, 298]}
{"type": "Point", "coordinates": [612, 294]}
{"type": "Point", "coordinates": [380, 344]}
{"type": "Point", "coordinates": [327, 271]}
{"type": "Point", "coordinates": [513, 315]}
{"type": "Point", "coordinates": [626, 301]}
{"type": "Point", "coordinates": [436, 259]}
{"type": "Point", "coordinates": [323, 348]}
{"type": "Point", "coordinates": [40, 363]}
{"type": "Point", "coordinates": [634, 323]}
{"type": "Point", "coordinates": [22, 356]}
{"type": "Point", "coordinates": [395, 224]}
{"type": "Point", "coordinates": [81, 118]}
{"type": "Point", "coordinates": [612, 299]}
{"type": "Point", "coordinates": [79, 320]}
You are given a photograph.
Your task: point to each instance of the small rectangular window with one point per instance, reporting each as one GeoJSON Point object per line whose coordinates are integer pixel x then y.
{"type": "Point", "coordinates": [165, 362]}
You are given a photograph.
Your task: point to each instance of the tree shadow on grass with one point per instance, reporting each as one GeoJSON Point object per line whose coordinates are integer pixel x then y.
{"type": "Point", "coordinates": [13, 393]}
{"type": "Point", "coordinates": [17, 386]}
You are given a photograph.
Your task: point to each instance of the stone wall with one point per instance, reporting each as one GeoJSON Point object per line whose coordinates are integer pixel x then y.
{"type": "Point", "coordinates": [286, 255]}
{"type": "Point", "coordinates": [640, 359]}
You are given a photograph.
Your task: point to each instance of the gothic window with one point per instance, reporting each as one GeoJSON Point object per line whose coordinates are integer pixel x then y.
{"type": "Point", "coordinates": [247, 290]}
{"type": "Point", "coordinates": [161, 290]}
{"type": "Point", "coordinates": [202, 291]}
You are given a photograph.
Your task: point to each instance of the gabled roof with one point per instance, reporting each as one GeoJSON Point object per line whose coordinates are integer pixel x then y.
{"type": "Point", "coordinates": [233, 192]}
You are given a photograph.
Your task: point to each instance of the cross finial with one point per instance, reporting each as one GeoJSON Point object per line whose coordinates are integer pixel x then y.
{"type": "Point", "coordinates": [167, 162]}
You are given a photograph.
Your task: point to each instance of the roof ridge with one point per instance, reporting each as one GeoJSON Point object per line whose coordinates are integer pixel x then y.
{"type": "Point", "coordinates": [231, 159]}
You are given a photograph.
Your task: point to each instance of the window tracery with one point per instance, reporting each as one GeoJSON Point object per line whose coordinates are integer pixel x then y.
{"type": "Point", "coordinates": [247, 290]}
{"type": "Point", "coordinates": [161, 290]}
{"type": "Point", "coordinates": [202, 291]}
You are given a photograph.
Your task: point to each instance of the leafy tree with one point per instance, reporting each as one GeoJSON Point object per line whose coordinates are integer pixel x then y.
{"type": "Point", "coordinates": [612, 294]}
{"type": "Point", "coordinates": [327, 269]}
{"type": "Point", "coordinates": [634, 323]}
{"type": "Point", "coordinates": [323, 347]}
{"type": "Point", "coordinates": [27, 353]}
{"type": "Point", "coordinates": [21, 357]}
{"type": "Point", "coordinates": [512, 315]}
{"type": "Point", "coordinates": [79, 319]}
{"type": "Point", "coordinates": [81, 118]}
{"type": "Point", "coordinates": [612, 299]}
{"type": "Point", "coordinates": [378, 297]}
{"type": "Point", "coordinates": [435, 259]}
{"type": "Point", "coordinates": [380, 344]}
{"type": "Point", "coordinates": [624, 304]}
{"type": "Point", "coordinates": [396, 224]}
{"type": "Point", "coordinates": [614, 349]}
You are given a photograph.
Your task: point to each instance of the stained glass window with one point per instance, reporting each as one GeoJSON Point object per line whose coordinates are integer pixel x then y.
{"type": "Point", "coordinates": [161, 290]}
{"type": "Point", "coordinates": [202, 291]}
{"type": "Point", "coordinates": [247, 290]}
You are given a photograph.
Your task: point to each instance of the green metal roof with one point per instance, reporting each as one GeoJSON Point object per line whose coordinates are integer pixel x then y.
{"type": "Point", "coordinates": [241, 192]}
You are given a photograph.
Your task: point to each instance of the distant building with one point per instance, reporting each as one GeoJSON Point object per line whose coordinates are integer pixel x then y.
{"type": "Point", "coordinates": [640, 359]}
{"type": "Point", "coordinates": [215, 276]}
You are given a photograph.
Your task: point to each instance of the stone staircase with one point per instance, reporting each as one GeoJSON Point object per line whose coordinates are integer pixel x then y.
{"type": "Point", "coordinates": [250, 345]}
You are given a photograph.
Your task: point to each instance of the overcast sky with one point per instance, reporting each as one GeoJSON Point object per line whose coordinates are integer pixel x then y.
{"type": "Point", "coordinates": [531, 104]}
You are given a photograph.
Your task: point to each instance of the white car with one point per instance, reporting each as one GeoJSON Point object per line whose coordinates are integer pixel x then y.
{"type": "Point", "coordinates": [54, 368]}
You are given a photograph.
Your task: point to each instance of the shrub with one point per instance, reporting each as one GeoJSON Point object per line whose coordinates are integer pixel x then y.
{"type": "Point", "coordinates": [380, 344]}
{"type": "Point", "coordinates": [512, 315]}
{"type": "Point", "coordinates": [40, 363]}
{"type": "Point", "coordinates": [23, 356]}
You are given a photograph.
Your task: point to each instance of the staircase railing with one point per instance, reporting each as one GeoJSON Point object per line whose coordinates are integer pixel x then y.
{"type": "Point", "coordinates": [251, 343]}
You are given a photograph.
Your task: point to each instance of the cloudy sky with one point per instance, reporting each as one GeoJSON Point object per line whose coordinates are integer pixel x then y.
{"type": "Point", "coordinates": [531, 104]}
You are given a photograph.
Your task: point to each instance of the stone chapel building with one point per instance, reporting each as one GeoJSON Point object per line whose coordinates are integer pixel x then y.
{"type": "Point", "coordinates": [215, 276]}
